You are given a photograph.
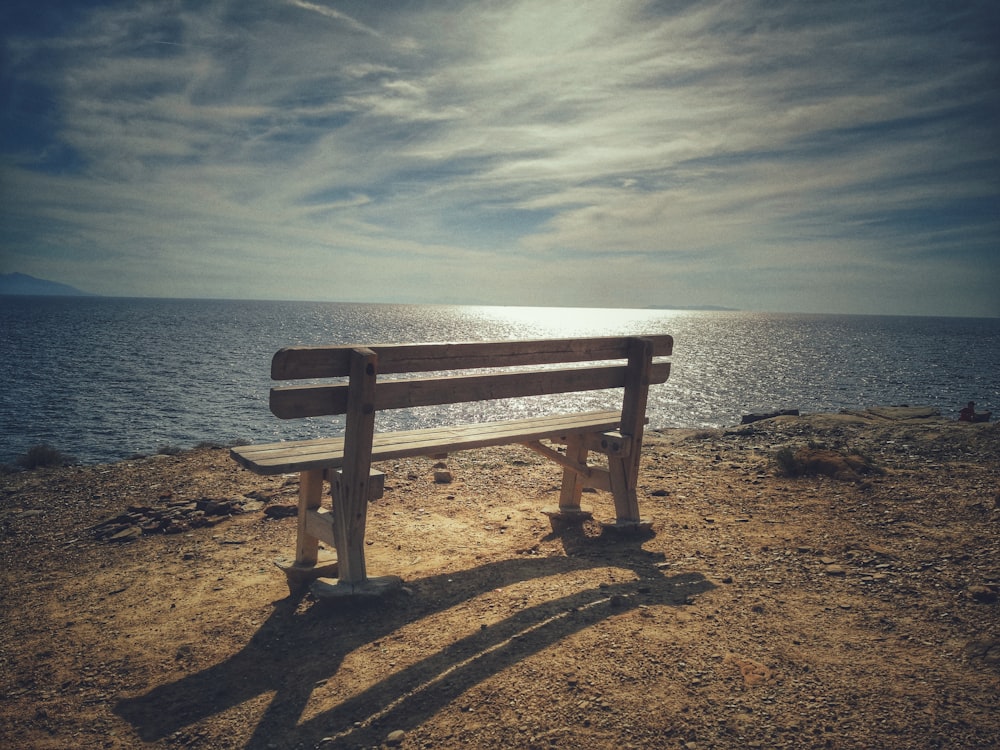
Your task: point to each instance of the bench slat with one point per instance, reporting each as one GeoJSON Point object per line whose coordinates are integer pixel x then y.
{"type": "Point", "coordinates": [291, 402]}
{"type": "Point", "coordinates": [306, 362]}
{"type": "Point", "coordinates": [283, 458]}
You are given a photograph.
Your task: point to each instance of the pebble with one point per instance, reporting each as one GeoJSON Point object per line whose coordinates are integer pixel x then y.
{"type": "Point", "coordinates": [127, 534]}
{"type": "Point", "coordinates": [281, 511]}
{"type": "Point", "coordinates": [395, 738]}
{"type": "Point", "coordinates": [982, 594]}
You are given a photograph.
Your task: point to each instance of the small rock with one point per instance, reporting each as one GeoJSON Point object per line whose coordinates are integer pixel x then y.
{"type": "Point", "coordinates": [395, 738]}
{"type": "Point", "coordinates": [989, 651]}
{"type": "Point", "coordinates": [281, 511]}
{"type": "Point", "coordinates": [982, 594]}
{"type": "Point", "coordinates": [835, 570]}
{"type": "Point", "coordinates": [442, 476]}
{"type": "Point", "coordinates": [127, 534]}
{"type": "Point", "coordinates": [214, 507]}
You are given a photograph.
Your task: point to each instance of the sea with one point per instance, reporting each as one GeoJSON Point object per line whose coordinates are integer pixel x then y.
{"type": "Point", "coordinates": [106, 379]}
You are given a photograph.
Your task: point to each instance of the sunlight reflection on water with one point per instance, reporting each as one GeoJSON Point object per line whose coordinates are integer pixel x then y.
{"type": "Point", "coordinates": [103, 379]}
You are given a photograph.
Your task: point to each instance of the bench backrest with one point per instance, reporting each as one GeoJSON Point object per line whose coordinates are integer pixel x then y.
{"type": "Point", "coordinates": [317, 362]}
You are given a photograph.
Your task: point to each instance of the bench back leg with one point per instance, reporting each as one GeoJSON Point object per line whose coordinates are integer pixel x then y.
{"type": "Point", "coordinates": [625, 471]}
{"type": "Point", "coordinates": [350, 488]}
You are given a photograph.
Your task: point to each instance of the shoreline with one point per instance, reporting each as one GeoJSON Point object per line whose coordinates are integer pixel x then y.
{"type": "Point", "coordinates": [52, 456]}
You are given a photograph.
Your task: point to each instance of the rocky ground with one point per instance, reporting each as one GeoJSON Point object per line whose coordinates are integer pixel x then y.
{"type": "Point", "coordinates": [824, 581]}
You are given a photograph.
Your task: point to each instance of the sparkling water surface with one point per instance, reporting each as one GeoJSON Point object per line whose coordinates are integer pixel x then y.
{"type": "Point", "coordinates": [105, 378]}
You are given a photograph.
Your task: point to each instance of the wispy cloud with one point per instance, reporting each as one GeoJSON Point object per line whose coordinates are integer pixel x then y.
{"type": "Point", "coordinates": [328, 12]}
{"type": "Point", "coordinates": [559, 152]}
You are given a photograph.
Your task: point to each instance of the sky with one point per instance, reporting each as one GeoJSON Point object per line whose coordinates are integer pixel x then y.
{"type": "Point", "coordinates": [828, 157]}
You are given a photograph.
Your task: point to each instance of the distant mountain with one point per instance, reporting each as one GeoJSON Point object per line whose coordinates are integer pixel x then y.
{"type": "Point", "coordinates": [699, 308]}
{"type": "Point", "coordinates": [24, 285]}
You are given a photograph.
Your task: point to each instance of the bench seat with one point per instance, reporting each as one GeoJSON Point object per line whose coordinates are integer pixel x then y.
{"type": "Point", "coordinates": [328, 453]}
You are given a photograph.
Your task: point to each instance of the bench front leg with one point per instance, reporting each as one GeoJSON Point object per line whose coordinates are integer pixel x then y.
{"type": "Point", "coordinates": [576, 475]}
{"type": "Point", "coordinates": [572, 482]}
{"type": "Point", "coordinates": [310, 498]}
{"type": "Point", "coordinates": [307, 566]}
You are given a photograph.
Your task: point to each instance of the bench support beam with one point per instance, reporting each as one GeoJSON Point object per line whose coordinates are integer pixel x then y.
{"type": "Point", "coordinates": [577, 473]}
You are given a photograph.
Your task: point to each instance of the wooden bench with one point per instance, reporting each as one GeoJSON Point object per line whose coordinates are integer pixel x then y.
{"type": "Point", "coordinates": [460, 372]}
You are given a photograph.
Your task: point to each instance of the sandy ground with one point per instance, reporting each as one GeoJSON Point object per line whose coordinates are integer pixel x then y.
{"type": "Point", "coordinates": [849, 611]}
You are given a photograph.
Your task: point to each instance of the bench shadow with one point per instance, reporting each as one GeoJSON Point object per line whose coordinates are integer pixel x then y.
{"type": "Point", "coordinates": [316, 640]}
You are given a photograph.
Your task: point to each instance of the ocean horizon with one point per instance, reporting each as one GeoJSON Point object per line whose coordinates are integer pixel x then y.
{"type": "Point", "coordinates": [108, 378]}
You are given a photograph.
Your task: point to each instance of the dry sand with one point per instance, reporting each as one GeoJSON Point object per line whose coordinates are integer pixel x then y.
{"type": "Point", "coordinates": [855, 611]}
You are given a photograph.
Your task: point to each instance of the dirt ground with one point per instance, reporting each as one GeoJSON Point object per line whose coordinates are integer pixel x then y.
{"type": "Point", "coordinates": [849, 611]}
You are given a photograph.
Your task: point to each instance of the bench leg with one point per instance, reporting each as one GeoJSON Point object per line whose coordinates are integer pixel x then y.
{"type": "Point", "coordinates": [623, 488]}
{"type": "Point", "coordinates": [351, 488]}
{"type": "Point", "coordinates": [625, 471]}
{"type": "Point", "coordinates": [350, 516]}
{"type": "Point", "coordinates": [572, 485]}
{"type": "Point", "coordinates": [306, 567]}
{"type": "Point", "coordinates": [310, 498]}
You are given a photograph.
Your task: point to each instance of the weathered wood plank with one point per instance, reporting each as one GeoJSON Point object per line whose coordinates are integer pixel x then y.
{"type": "Point", "coordinates": [283, 458]}
{"type": "Point", "coordinates": [305, 362]}
{"type": "Point", "coordinates": [293, 402]}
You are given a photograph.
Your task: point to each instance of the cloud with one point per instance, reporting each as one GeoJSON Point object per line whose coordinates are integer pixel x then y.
{"type": "Point", "coordinates": [509, 152]}
{"type": "Point", "coordinates": [334, 14]}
